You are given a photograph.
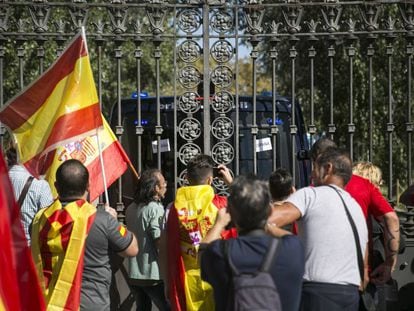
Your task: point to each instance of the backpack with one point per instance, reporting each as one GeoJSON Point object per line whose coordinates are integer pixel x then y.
{"type": "Point", "coordinates": [253, 291]}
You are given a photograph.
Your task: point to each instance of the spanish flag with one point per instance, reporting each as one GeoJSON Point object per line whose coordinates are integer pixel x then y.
{"type": "Point", "coordinates": [59, 107]}
{"type": "Point", "coordinates": [19, 285]}
{"type": "Point", "coordinates": [191, 217]}
{"type": "Point", "coordinates": [86, 150]}
{"type": "Point", "coordinates": [58, 244]}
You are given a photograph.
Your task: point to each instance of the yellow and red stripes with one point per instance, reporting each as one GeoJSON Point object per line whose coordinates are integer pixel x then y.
{"type": "Point", "coordinates": [19, 285]}
{"type": "Point", "coordinates": [59, 236]}
{"type": "Point", "coordinates": [61, 106]}
{"type": "Point", "coordinates": [115, 160]}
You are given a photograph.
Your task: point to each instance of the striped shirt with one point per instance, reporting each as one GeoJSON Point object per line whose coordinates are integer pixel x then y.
{"type": "Point", "coordinates": [38, 196]}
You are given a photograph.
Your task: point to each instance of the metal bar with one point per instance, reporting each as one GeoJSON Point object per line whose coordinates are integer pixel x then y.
{"type": "Point", "coordinates": [41, 55]}
{"type": "Point", "coordinates": [331, 126]}
{"type": "Point", "coordinates": [390, 124]}
{"type": "Point", "coordinates": [101, 201]}
{"type": "Point", "coordinates": [274, 129]}
{"type": "Point", "coordinates": [237, 125]}
{"type": "Point", "coordinates": [254, 129]}
{"type": "Point", "coordinates": [139, 130]}
{"type": "Point", "coordinates": [312, 127]}
{"type": "Point", "coordinates": [119, 127]}
{"type": "Point", "coordinates": [351, 125]}
{"type": "Point", "coordinates": [226, 4]}
{"type": "Point", "coordinates": [293, 127]}
{"type": "Point", "coordinates": [175, 107]}
{"type": "Point", "coordinates": [370, 107]}
{"type": "Point", "coordinates": [409, 124]}
{"type": "Point", "coordinates": [158, 128]}
{"type": "Point", "coordinates": [206, 80]}
{"type": "Point", "coordinates": [20, 55]}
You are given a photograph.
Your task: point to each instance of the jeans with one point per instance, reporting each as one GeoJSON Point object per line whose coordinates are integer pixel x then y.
{"type": "Point", "coordinates": [146, 295]}
{"type": "Point", "coordinates": [318, 296]}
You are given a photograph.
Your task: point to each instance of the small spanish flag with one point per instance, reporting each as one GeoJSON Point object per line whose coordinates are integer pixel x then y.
{"type": "Point", "coordinates": [122, 230]}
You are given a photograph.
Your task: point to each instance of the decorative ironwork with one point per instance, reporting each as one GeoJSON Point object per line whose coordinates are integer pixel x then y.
{"type": "Point", "coordinates": [189, 77]}
{"type": "Point", "coordinates": [407, 14]}
{"type": "Point", "coordinates": [370, 16]}
{"type": "Point", "coordinates": [118, 17]}
{"type": "Point", "coordinates": [222, 51]}
{"type": "Point", "coordinates": [222, 76]}
{"type": "Point", "coordinates": [187, 152]}
{"type": "Point", "coordinates": [222, 102]}
{"type": "Point", "coordinates": [205, 35]}
{"type": "Point", "coordinates": [221, 21]}
{"type": "Point", "coordinates": [222, 128]}
{"type": "Point", "coordinates": [79, 15]}
{"type": "Point", "coordinates": [189, 51]}
{"type": "Point", "coordinates": [182, 179]}
{"type": "Point", "coordinates": [254, 16]}
{"type": "Point", "coordinates": [331, 16]}
{"type": "Point", "coordinates": [293, 18]}
{"type": "Point", "coordinates": [223, 152]}
{"type": "Point", "coordinates": [40, 16]}
{"type": "Point", "coordinates": [5, 11]}
{"type": "Point", "coordinates": [189, 20]}
{"type": "Point", "coordinates": [189, 129]}
{"type": "Point", "coordinates": [156, 15]}
{"type": "Point", "coordinates": [189, 102]}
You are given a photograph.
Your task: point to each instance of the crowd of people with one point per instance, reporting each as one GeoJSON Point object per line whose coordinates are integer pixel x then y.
{"type": "Point", "coordinates": [312, 247]}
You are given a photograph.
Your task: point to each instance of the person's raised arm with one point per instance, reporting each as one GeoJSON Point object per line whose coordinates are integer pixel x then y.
{"type": "Point", "coordinates": [283, 215]}
{"type": "Point", "coordinates": [224, 174]}
{"type": "Point", "coordinates": [222, 220]}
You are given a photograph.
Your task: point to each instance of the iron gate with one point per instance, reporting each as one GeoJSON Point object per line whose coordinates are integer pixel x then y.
{"type": "Point", "coordinates": [348, 64]}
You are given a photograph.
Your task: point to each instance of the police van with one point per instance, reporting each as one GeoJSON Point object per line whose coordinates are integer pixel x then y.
{"type": "Point", "coordinates": [264, 156]}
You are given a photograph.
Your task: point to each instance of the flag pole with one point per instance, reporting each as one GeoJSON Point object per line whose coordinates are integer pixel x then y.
{"type": "Point", "coordinates": [102, 166]}
{"type": "Point", "coordinates": [134, 170]}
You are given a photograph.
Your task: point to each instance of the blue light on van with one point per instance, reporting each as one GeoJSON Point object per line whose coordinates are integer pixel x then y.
{"type": "Point", "coordinates": [143, 122]}
{"type": "Point", "coordinates": [277, 122]}
{"type": "Point", "coordinates": [142, 95]}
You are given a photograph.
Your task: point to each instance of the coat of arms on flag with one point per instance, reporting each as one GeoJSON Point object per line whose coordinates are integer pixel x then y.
{"type": "Point", "coordinates": [86, 150]}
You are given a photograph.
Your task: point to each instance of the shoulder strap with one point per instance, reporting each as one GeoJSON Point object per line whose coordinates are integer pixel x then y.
{"type": "Point", "coordinates": [267, 261]}
{"type": "Point", "coordinates": [356, 237]}
{"type": "Point", "coordinates": [24, 191]}
{"type": "Point", "coordinates": [225, 247]}
{"type": "Point", "coordinates": [270, 255]}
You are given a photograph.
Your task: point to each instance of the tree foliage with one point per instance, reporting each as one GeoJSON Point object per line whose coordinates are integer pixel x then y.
{"type": "Point", "coordinates": [341, 73]}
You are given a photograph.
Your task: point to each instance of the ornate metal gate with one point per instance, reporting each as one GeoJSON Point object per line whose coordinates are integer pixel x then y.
{"type": "Point", "coordinates": [348, 64]}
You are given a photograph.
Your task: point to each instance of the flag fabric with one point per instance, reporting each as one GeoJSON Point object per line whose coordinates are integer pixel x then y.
{"type": "Point", "coordinates": [19, 285]}
{"type": "Point", "coordinates": [86, 150]}
{"type": "Point", "coordinates": [62, 105]}
{"type": "Point", "coordinates": [58, 244]}
{"type": "Point", "coordinates": [190, 218]}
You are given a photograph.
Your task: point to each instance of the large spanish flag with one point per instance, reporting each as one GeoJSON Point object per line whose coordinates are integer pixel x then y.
{"type": "Point", "coordinates": [86, 150]}
{"type": "Point", "coordinates": [191, 217]}
{"type": "Point", "coordinates": [19, 285]}
{"type": "Point", "coordinates": [60, 106]}
{"type": "Point", "coordinates": [58, 245]}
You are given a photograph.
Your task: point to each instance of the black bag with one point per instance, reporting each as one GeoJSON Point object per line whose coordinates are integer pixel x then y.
{"type": "Point", "coordinates": [253, 291]}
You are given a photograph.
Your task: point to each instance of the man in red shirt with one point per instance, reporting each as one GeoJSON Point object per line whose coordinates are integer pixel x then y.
{"type": "Point", "coordinates": [374, 204]}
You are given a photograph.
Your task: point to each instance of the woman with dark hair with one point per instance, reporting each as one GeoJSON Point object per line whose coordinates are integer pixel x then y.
{"type": "Point", "coordinates": [143, 218]}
